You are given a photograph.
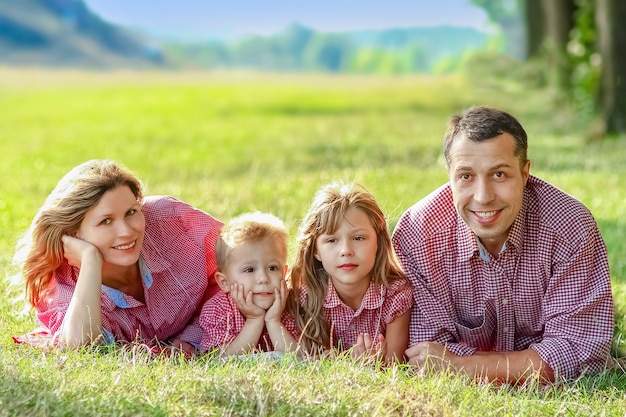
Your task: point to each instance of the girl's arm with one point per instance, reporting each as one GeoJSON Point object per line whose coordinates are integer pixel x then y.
{"type": "Point", "coordinates": [82, 323]}
{"type": "Point", "coordinates": [397, 337]}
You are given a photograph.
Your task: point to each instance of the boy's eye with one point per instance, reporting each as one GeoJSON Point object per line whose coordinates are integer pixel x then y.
{"type": "Point", "coordinates": [273, 268]}
{"type": "Point", "coordinates": [250, 269]}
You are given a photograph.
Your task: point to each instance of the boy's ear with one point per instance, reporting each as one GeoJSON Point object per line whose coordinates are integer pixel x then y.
{"type": "Point", "coordinates": [221, 280]}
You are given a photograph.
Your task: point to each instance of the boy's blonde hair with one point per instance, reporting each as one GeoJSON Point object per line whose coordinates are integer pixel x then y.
{"type": "Point", "coordinates": [249, 228]}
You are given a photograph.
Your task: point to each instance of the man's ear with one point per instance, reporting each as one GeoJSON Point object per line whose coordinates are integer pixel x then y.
{"type": "Point", "coordinates": [221, 280]}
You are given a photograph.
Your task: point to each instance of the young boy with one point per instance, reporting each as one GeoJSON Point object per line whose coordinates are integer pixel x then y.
{"type": "Point", "coordinates": [247, 315]}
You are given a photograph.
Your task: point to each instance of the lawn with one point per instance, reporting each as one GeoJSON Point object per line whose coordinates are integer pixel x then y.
{"type": "Point", "coordinates": [234, 142]}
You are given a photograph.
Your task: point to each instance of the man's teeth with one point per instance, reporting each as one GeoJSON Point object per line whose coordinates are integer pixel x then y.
{"type": "Point", "coordinates": [486, 214]}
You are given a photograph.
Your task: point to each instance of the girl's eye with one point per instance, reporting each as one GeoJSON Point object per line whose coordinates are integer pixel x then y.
{"type": "Point", "coordinates": [273, 268]}
{"type": "Point", "coordinates": [359, 238]}
{"type": "Point", "coordinates": [131, 212]}
{"type": "Point", "coordinates": [248, 270]}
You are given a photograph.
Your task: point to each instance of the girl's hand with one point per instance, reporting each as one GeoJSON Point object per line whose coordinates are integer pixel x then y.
{"type": "Point", "coordinates": [365, 347]}
{"type": "Point", "coordinates": [77, 251]}
{"type": "Point", "coordinates": [280, 300]}
{"type": "Point", "coordinates": [244, 303]}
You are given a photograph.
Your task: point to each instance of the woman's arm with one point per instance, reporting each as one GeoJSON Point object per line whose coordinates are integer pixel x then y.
{"type": "Point", "coordinates": [82, 323]}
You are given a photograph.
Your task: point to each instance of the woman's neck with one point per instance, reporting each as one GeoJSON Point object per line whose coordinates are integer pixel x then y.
{"type": "Point", "coordinates": [125, 279]}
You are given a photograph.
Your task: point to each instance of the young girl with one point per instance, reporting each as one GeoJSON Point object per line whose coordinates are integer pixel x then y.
{"type": "Point", "coordinates": [347, 287]}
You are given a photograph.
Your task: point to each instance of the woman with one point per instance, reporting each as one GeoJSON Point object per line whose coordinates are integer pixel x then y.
{"type": "Point", "coordinates": [103, 264]}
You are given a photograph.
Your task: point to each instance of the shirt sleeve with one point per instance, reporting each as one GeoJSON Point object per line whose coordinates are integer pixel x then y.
{"type": "Point", "coordinates": [217, 321]}
{"type": "Point", "coordinates": [399, 299]}
{"type": "Point", "coordinates": [430, 321]}
{"type": "Point", "coordinates": [578, 307]}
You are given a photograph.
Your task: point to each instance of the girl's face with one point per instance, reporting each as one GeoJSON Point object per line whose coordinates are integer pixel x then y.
{"type": "Point", "coordinates": [348, 254]}
{"type": "Point", "coordinates": [116, 226]}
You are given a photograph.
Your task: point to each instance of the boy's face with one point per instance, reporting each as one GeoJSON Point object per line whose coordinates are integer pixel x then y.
{"type": "Point", "coordinates": [259, 266]}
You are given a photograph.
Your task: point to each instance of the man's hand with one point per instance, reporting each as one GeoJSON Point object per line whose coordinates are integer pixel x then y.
{"type": "Point", "coordinates": [430, 356]}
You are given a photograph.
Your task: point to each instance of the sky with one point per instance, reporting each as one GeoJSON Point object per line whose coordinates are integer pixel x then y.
{"type": "Point", "coordinates": [264, 17]}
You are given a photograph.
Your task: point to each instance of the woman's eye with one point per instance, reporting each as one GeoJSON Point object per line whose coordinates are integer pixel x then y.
{"type": "Point", "coordinates": [131, 212]}
{"type": "Point", "coordinates": [106, 221]}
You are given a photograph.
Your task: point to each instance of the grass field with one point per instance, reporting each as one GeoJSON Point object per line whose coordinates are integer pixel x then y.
{"type": "Point", "coordinates": [233, 142]}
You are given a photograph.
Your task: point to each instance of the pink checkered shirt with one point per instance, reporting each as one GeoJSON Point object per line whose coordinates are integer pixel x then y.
{"type": "Point", "coordinates": [549, 289]}
{"type": "Point", "coordinates": [379, 307]}
{"type": "Point", "coordinates": [222, 321]}
{"type": "Point", "coordinates": [178, 265]}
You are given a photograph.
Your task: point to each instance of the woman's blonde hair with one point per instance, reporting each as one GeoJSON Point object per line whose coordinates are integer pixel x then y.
{"type": "Point", "coordinates": [40, 250]}
{"type": "Point", "coordinates": [324, 216]}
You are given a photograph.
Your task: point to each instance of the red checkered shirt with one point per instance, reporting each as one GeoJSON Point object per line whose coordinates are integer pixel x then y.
{"type": "Point", "coordinates": [222, 321]}
{"type": "Point", "coordinates": [548, 290]}
{"type": "Point", "coordinates": [380, 306]}
{"type": "Point", "coordinates": [177, 263]}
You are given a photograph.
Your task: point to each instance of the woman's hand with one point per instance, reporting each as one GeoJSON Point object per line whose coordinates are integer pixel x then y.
{"type": "Point", "coordinates": [76, 250]}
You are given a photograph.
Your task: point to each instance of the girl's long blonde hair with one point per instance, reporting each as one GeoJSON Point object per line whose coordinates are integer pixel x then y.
{"type": "Point", "coordinates": [324, 216]}
{"type": "Point", "coordinates": [40, 250]}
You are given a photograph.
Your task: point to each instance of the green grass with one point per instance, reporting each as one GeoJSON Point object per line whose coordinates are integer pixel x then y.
{"type": "Point", "coordinates": [230, 143]}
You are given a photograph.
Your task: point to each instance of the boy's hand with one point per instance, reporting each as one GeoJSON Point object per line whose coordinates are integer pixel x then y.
{"type": "Point", "coordinates": [280, 300]}
{"type": "Point", "coordinates": [244, 302]}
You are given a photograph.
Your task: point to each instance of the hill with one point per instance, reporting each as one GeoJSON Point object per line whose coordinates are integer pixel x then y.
{"type": "Point", "coordinates": [66, 33]}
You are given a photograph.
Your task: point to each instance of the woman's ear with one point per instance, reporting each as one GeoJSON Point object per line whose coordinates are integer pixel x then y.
{"type": "Point", "coordinates": [221, 280]}
{"type": "Point", "coordinates": [317, 256]}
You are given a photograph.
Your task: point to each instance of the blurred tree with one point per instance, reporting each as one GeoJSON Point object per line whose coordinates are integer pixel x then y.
{"type": "Point", "coordinates": [534, 27]}
{"type": "Point", "coordinates": [508, 15]}
{"type": "Point", "coordinates": [558, 22]}
{"type": "Point", "coordinates": [610, 18]}
{"type": "Point", "coordinates": [329, 52]}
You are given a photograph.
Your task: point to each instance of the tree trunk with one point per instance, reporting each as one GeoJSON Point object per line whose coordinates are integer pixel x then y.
{"type": "Point", "coordinates": [535, 33]}
{"type": "Point", "coordinates": [558, 23]}
{"type": "Point", "coordinates": [610, 18]}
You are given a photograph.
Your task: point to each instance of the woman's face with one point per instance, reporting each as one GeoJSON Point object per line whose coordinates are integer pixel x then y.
{"type": "Point", "coordinates": [116, 226]}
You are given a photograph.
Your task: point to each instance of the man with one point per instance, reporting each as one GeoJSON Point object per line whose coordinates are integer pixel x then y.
{"type": "Point", "coordinates": [510, 274]}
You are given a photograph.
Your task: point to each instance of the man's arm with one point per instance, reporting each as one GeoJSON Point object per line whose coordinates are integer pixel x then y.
{"type": "Point", "coordinates": [506, 367]}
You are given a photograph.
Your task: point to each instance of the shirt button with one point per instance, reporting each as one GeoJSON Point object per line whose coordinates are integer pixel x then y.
{"type": "Point", "coordinates": [505, 329]}
{"type": "Point", "coordinates": [505, 301]}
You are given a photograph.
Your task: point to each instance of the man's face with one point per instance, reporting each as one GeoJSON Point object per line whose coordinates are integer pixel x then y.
{"type": "Point", "coordinates": [487, 186]}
